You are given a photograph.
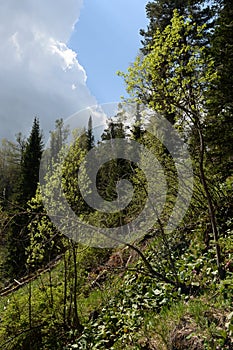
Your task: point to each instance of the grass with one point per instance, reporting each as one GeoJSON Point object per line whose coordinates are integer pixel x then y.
{"type": "Point", "coordinates": [200, 322]}
{"type": "Point", "coordinates": [195, 324]}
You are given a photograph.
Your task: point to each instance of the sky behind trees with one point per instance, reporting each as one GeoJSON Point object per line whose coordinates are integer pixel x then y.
{"type": "Point", "coordinates": [107, 39]}
{"type": "Point", "coordinates": [62, 56]}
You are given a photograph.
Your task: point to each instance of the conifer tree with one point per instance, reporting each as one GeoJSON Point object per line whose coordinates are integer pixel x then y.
{"type": "Point", "coordinates": [30, 164]}
{"type": "Point", "coordinates": [89, 135]}
{"type": "Point", "coordinates": [17, 235]}
{"type": "Point", "coordinates": [220, 94]}
{"type": "Point", "coordinates": [136, 130]}
{"type": "Point", "coordinates": [112, 171]}
{"type": "Point", "coordinates": [58, 138]}
{"type": "Point", "coordinates": [160, 13]}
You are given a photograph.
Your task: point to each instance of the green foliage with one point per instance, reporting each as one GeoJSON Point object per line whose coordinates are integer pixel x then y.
{"type": "Point", "coordinates": [15, 320]}
{"type": "Point", "coordinates": [174, 75]}
{"type": "Point", "coordinates": [57, 139]}
{"type": "Point", "coordinates": [172, 296]}
{"type": "Point", "coordinates": [70, 168]}
{"type": "Point", "coordinates": [10, 157]}
{"type": "Point", "coordinates": [123, 314]}
{"type": "Point", "coordinates": [160, 13]}
{"type": "Point", "coordinates": [143, 311]}
{"type": "Point", "coordinates": [220, 97]}
{"type": "Point", "coordinates": [46, 243]}
{"type": "Point", "coordinates": [50, 296]}
{"type": "Point", "coordinates": [90, 136]}
{"type": "Point", "coordinates": [17, 241]}
{"type": "Point", "coordinates": [17, 232]}
{"type": "Point", "coordinates": [30, 164]}
{"type": "Point", "coordinates": [221, 48]}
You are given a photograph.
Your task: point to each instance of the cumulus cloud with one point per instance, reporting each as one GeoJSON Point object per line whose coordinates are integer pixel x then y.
{"type": "Point", "coordinates": [40, 75]}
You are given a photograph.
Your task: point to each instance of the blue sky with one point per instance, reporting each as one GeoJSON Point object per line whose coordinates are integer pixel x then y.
{"type": "Point", "coordinates": [106, 39]}
{"type": "Point", "coordinates": [58, 57]}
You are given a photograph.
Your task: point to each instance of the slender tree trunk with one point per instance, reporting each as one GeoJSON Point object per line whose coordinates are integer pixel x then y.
{"type": "Point", "coordinates": [153, 272]}
{"type": "Point", "coordinates": [30, 309]}
{"type": "Point", "coordinates": [51, 288]}
{"type": "Point", "coordinates": [65, 291]}
{"type": "Point", "coordinates": [210, 203]}
{"type": "Point", "coordinates": [76, 320]}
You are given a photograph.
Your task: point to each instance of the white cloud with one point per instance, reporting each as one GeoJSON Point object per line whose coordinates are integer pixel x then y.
{"type": "Point", "coordinates": [40, 75]}
{"type": "Point", "coordinates": [15, 42]}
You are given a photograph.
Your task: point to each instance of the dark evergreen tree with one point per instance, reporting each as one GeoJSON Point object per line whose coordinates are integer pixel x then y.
{"type": "Point", "coordinates": [17, 235]}
{"type": "Point", "coordinates": [82, 139]}
{"type": "Point", "coordinates": [115, 129]}
{"type": "Point", "coordinates": [16, 244]}
{"type": "Point", "coordinates": [136, 130]}
{"type": "Point", "coordinates": [58, 138]}
{"type": "Point", "coordinates": [111, 172]}
{"type": "Point", "coordinates": [30, 164]}
{"type": "Point", "coordinates": [89, 135]}
{"type": "Point", "coordinates": [160, 13]}
{"type": "Point", "coordinates": [221, 93]}
{"type": "Point", "coordinates": [219, 123]}
{"type": "Point", "coordinates": [86, 137]}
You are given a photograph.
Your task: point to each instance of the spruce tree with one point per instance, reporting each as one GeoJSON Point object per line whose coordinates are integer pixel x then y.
{"type": "Point", "coordinates": [111, 172]}
{"type": "Point", "coordinates": [30, 164]}
{"type": "Point", "coordinates": [89, 135]}
{"type": "Point", "coordinates": [219, 128]}
{"type": "Point", "coordinates": [17, 235]}
{"type": "Point", "coordinates": [58, 138]}
{"type": "Point", "coordinates": [136, 130]}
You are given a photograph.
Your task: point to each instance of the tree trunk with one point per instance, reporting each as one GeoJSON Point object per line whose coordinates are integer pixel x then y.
{"type": "Point", "coordinates": [76, 320]}
{"type": "Point", "coordinates": [209, 203]}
